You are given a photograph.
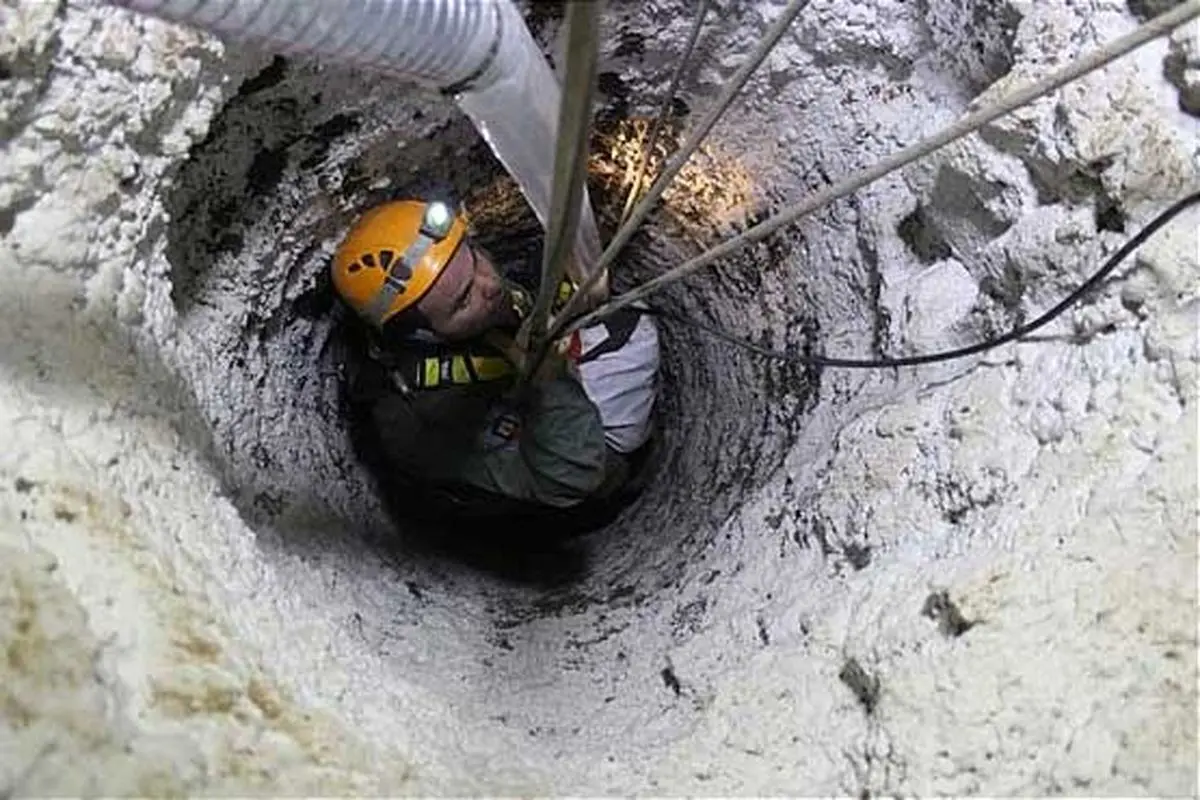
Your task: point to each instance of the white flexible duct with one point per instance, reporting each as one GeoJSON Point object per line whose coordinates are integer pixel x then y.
{"type": "Point", "coordinates": [440, 43]}
{"type": "Point", "coordinates": [479, 51]}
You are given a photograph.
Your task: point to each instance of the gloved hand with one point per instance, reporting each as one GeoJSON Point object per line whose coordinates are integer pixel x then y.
{"type": "Point", "coordinates": [562, 358]}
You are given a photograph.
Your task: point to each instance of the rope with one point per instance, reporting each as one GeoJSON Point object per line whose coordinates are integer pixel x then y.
{"type": "Point", "coordinates": [664, 109]}
{"type": "Point", "coordinates": [1155, 28]}
{"type": "Point", "coordinates": [570, 163]}
{"type": "Point", "coordinates": [677, 163]}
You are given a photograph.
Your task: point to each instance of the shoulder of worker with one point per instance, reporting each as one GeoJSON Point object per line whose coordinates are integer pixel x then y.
{"type": "Point", "coordinates": [426, 366]}
{"type": "Point", "coordinates": [427, 396]}
{"type": "Point", "coordinates": [630, 332]}
{"type": "Point", "coordinates": [547, 447]}
{"type": "Point", "coordinates": [410, 412]}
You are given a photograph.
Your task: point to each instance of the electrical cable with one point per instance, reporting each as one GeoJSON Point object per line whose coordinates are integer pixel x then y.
{"type": "Point", "coordinates": [1154, 29]}
{"type": "Point", "coordinates": [947, 355]}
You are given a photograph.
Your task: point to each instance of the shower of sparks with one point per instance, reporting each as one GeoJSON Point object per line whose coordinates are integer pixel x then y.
{"type": "Point", "coordinates": [499, 205]}
{"type": "Point", "coordinates": [712, 196]}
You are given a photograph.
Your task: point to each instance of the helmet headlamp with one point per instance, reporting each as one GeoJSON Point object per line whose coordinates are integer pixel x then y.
{"type": "Point", "coordinates": [437, 221]}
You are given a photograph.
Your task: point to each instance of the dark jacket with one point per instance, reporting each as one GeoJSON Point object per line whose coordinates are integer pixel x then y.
{"type": "Point", "coordinates": [477, 450]}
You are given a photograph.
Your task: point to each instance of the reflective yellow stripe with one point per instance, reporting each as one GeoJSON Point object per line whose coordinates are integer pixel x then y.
{"type": "Point", "coordinates": [489, 368]}
{"type": "Point", "coordinates": [453, 370]}
{"type": "Point", "coordinates": [433, 372]}
{"type": "Point", "coordinates": [458, 370]}
{"type": "Point", "coordinates": [565, 290]}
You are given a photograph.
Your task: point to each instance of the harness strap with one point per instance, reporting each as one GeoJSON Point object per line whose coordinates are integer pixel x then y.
{"type": "Point", "coordinates": [459, 369]}
{"type": "Point", "coordinates": [442, 366]}
{"type": "Point", "coordinates": [620, 327]}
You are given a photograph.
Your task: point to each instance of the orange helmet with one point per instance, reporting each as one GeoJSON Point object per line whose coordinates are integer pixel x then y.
{"type": "Point", "coordinates": [393, 254]}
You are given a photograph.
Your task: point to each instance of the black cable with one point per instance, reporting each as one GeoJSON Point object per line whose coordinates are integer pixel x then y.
{"type": "Point", "coordinates": [908, 361]}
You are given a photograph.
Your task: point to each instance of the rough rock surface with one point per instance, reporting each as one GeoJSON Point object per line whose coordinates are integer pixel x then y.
{"type": "Point", "coordinates": [975, 577]}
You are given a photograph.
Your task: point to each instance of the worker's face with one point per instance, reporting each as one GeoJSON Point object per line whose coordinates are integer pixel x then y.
{"type": "Point", "coordinates": [468, 298]}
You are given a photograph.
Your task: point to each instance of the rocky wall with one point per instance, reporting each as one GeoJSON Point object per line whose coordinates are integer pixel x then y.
{"type": "Point", "coordinates": [974, 577]}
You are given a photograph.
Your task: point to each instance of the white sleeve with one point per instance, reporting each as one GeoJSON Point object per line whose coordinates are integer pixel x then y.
{"type": "Point", "coordinates": [622, 382]}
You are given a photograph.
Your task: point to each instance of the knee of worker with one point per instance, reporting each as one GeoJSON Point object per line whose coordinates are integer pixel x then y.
{"type": "Point", "coordinates": [623, 384]}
